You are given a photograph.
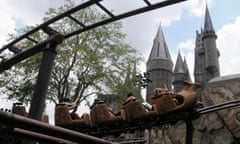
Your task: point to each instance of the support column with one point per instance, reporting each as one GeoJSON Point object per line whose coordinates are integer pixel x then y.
{"type": "Point", "coordinates": [43, 79]}
{"type": "Point", "coordinates": [189, 132]}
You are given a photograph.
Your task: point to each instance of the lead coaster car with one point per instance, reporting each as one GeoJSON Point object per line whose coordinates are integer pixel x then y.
{"type": "Point", "coordinates": [168, 102]}
{"type": "Point", "coordinates": [63, 118]}
{"type": "Point", "coordinates": [19, 109]}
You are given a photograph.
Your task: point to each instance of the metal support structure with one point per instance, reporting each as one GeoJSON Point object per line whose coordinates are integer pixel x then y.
{"type": "Point", "coordinates": [189, 131]}
{"type": "Point", "coordinates": [23, 125]}
{"type": "Point", "coordinates": [40, 92]}
{"type": "Point", "coordinates": [29, 128]}
{"type": "Point", "coordinates": [42, 138]}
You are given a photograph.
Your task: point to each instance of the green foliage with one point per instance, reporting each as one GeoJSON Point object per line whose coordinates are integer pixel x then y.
{"type": "Point", "coordinates": [94, 62]}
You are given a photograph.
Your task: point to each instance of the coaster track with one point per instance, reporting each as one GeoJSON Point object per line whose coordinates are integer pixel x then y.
{"type": "Point", "coordinates": [23, 126]}
{"type": "Point", "coordinates": [162, 121]}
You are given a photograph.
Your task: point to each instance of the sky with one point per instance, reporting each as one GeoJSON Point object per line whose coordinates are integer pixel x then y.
{"type": "Point", "coordinates": [179, 23]}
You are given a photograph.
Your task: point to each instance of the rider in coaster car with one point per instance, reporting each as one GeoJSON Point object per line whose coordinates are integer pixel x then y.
{"type": "Point", "coordinates": [72, 106]}
{"type": "Point", "coordinates": [164, 91]}
{"type": "Point", "coordinates": [131, 97]}
{"type": "Point", "coordinates": [100, 101]}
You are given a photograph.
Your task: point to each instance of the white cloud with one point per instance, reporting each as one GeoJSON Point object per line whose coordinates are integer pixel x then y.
{"type": "Point", "coordinates": [228, 43]}
{"type": "Point", "coordinates": [197, 7]}
{"type": "Point", "coordinates": [194, 7]}
{"type": "Point", "coordinates": [7, 26]}
{"type": "Point", "coordinates": [187, 45]}
{"type": "Point", "coordinates": [30, 12]}
{"type": "Point", "coordinates": [168, 15]}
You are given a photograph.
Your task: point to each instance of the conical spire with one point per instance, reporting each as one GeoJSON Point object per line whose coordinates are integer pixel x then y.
{"type": "Point", "coordinates": [187, 74]}
{"type": "Point", "coordinates": [208, 27]}
{"type": "Point", "coordinates": [179, 67]}
{"type": "Point", "coordinates": [160, 48]}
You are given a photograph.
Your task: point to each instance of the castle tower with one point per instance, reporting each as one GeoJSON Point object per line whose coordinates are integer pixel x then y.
{"type": "Point", "coordinates": [211, 51]}
{"type": "Point", "coordinates": [159, 64]}
{"type": "Point", "coordinates": [206, 53]}
{"type": "Point", "coordinates": [180, 74]}
{"type": "Point", "coordinates": [199, 58]}
{"type": "Point", "coordinates": [187, 74]}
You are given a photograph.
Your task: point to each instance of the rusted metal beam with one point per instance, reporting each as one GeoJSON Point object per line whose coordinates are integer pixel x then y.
{"type": "Point", "coordinates": [6, 64]}
{"type": "Point", "coordinates": [125, 15]}
{"type": "Point", "coordinates": [16, 121]}
{"type": "Point", "coordinates": [218, 107]}
{"type": "Point", "coordinates": [69, 12]}
{"type": "Point", "coordinates": [105, 9]}
{"type": "Point", "coordinates": [22, 133]}
{"type": "Point", "coordinates": [147, 2]}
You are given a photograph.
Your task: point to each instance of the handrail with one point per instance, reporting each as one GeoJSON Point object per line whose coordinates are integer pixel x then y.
{"type": "Point", "coordinates": [17, 121]}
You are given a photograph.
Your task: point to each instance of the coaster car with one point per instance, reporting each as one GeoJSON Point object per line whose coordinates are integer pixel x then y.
{"type": "Point", "coordinates": [63, 118]}
{"type": "Point", "coordinates": [168, 102]}
{"type": "Point", "coordinates": [19, 109]}
{"type": "Point", "coordinates": [101, 116]}
{"type": "Point", "coordinates": [134, 110]}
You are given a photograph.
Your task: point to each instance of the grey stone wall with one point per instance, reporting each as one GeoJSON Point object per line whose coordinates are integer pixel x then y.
{"type": "Point", "coordinates": [222, 127]}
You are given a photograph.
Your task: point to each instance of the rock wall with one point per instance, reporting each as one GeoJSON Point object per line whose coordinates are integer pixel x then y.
{"type": "Point", "coordinates": [221, 127]}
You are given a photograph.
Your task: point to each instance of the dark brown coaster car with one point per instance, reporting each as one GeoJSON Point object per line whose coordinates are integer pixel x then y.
{"type": "Point", "coordinates": [20, 109]}
{"type": "Point", "coordinates": [135, 111]}
{"type": "Point", "coordinates": [168, 102]}
{"type": "Point", "coordinates": [63, 118]}
{"type": "Point", "coordinates": [101, 115]}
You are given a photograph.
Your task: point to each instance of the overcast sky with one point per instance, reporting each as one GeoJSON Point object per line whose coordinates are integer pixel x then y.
{"type": "Point", "coordinates": [179, 24]}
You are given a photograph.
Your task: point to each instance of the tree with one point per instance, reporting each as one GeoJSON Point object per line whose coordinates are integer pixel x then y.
{"type": "Point", "coordinates": [121, 86]}
{"type": "Point", "coordinates": [87, 64]}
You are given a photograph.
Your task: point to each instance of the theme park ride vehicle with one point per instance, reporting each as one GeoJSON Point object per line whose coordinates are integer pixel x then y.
{"type": "Point", "coordinates": [168, 102]}
{"type": "Point", "coordinates": [135, 111]}
{"type": "Point", "coordinates": [166, 109]}
{"type": "Point", "coordinates": [101, 115]}
{"type": "Point", "coordinates": [19, 109]}
{"type": "Point", "coordinates": [63, 118]}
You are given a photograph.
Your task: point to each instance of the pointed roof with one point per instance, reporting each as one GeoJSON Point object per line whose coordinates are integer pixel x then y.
{"type": "Point", "coordinates": [208, 27]}
{"type": "Point", "coordinates": [160, 48]}
{"type": "Point", "coordinates": [179, 67]}
{"type": "Point", "coordinates": [187, 74]}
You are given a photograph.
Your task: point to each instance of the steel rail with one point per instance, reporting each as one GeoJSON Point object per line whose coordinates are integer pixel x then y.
{"type": "Point", "coordinates": [39, 137]}
{"type": "Point", "coordinates": [6, 64]}
{"type": "Point", "coordinates": [54, 19]}
{"type": "Point", "coordinates": [97, 24]}
{"type": "Point", "coordinates": [218, 107]}
{"type": "Point", "coordinates": [16, 121]}
{"type": "Point", "coordinates": [24, 126]}
{"type": "Point", "coordinates": [125, 15]}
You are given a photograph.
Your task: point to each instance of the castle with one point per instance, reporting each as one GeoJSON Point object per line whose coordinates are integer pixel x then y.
{"type": "Point", "coordinates": [160, 65]}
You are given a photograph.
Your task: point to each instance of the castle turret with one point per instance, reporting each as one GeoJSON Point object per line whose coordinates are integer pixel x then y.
{"type": "Point", "coordinates": [199, 66]}
{"type": "Point", "coordinates": [206, 53]}
{"type": "Point", "coordinates": [159, 64]}
{"type": "Point", "coordinates": [178, 74]}
{"type": "Point", "coordinates": [187, 76]}
{"type": "Point", "coordinates": [211, 52]}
